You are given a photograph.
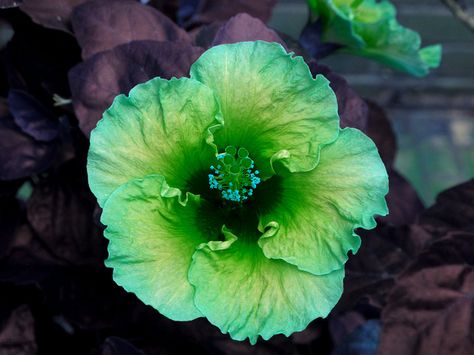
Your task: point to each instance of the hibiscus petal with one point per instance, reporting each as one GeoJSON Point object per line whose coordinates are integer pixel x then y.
{"type": "Point", "coordinates": [270, 102]}
{"type": "Point", "coordinates": [312, 225]}
{"type": "Point", "coordinates": [162, 127]}
{"type": "Point", "coordinates": [246, 295]}
{"type": "Point", "coordinates": [370, 29]}
{"type": "Point", "coordinates": [152, 238]}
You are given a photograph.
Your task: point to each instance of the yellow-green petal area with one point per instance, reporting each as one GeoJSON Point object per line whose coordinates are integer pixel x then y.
{"type": "Point", "coordinates": [248, 295]}
{"type": "Point", "coordinates": [312, 223]}
{"type": "Point", "coordinates": [162, 127]}
{"type": "Point", "coordinates": [270, 103]}
{"type": "Point", "coordinates": [153, 232]}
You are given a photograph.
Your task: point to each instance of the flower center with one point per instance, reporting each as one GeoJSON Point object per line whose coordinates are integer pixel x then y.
{"type": "Point", "coordinates": [234, 174]}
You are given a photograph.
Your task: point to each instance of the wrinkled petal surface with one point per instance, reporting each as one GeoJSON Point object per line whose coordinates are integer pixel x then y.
{"type": "Point", "coordinates": [312, 225]}
{"type": "Point", "coordinates": [270, 103]}
{"type": "Point", "coordinates": [152, 236]}
{"type": "Point", "coordinates": [246, 295]}
{"type": "Point", "coordinates": [162, 127]}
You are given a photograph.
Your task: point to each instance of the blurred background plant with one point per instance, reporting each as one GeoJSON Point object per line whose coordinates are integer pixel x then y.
{"type": "Point", "coordinates": [433, 117]}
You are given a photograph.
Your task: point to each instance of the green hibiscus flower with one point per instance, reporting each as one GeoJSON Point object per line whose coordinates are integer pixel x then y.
{"type": "Point", "coordinates": [234, 194]}
{"type": "Point", "coordinates": [369, 28]}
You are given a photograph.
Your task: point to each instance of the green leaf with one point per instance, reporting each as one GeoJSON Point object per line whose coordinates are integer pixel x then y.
{"type": "Point", "coordinates": [270, 103]}
{"type": "Point", "coordinates": [246, 295]}
{"type": "Point", "coordinates": [370, 29]}
{"type": "Point", "coordinates": [153, 231]}
{"type": "Point", "coordinates": [163, 127]}
{"type": "Point", "coordinates": [312, 225]}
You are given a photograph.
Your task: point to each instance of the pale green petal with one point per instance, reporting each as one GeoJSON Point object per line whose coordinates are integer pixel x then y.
{"type": "Point", "coordinates": [401, 51]}
{"type": "Point", "coordinates": [161, 128]}
{"type": "Point", "coordinates": [246, 295]}
{"type": "Point", "coordinates": [431, 55]}
{"type": "Point", "coordinates": [369, 28]}
{"type": "Point", "coordinates": [270, 103]}
{"type": "Point", "coordinates": [153, 231]}
{"type": "Point", "coordinates": [312, 223]}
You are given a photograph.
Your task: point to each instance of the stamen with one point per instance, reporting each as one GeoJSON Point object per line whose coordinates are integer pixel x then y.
{"type": "Point", "coordinates": [234, 175]}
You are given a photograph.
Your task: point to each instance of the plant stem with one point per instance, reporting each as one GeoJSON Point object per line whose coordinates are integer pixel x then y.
{"type": "Point", "coordinates": [461, 14]}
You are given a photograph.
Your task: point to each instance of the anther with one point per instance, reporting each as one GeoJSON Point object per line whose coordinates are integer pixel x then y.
{"type": "Point", "coordinates": [234, 176]}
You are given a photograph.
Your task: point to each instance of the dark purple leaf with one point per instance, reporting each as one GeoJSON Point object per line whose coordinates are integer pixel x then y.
{"type": "Point", "coordinates": [24, 250]}
{"type": "Point", "coordinates": [168, 7]}
{"type": "Point", "coordinates": [453, 210]}
{"type": "Point", "coordinates": [32, 116]}
{"type": "Point", "coordinates": [210, 337]}
{"type": "Point", "coordinates": [204, 35]}
{"type": "Point", "coordinates": [431, 308]}
{"type": "Point", "coordinates": [10, 214]}
{"type": "Point", "coordinates": [102, 25]}
{"type": "Point", "coordinates": [60, 211]}
{"type": "Point", "coordinates": [243, 27]}
{"type": "Point", "coordinates": [385, 252]}
{"type": "Point", "coordinates": [293, 45]}
{"type": "Point", "coordinates": [96, 82]}
{"type": "Point", "coordinates": [20, 154]}
{"type": "Point", "coordinates": [403, 202]}
{"type": "Point", "coordinates": [341, 325]}
{"type": "Point", "coordinates": [118, 346]}
{"type": "Point", "coordinates": [310, 40]}
{"type": "Point", "coordinates": [17, 333]}
{"type": "Point", "coordinates": [209, 11]}
{"type": "Point", "coordinates": [380, 130]}
{"type": "Point", "coordinates": [4, 110]}
{"type": "Point", "coordinates": [51, 13]}
{"type": "Point", "coordinates": [61, 229]}
{"type": "Point", "coordinates": [38, 59]}
{"type": "Point", "coordinates": [88, 298]}
{"type": "Point", "coordinates": [313, 333]}
{"type": "Point", "coordinates": [353, 110]}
